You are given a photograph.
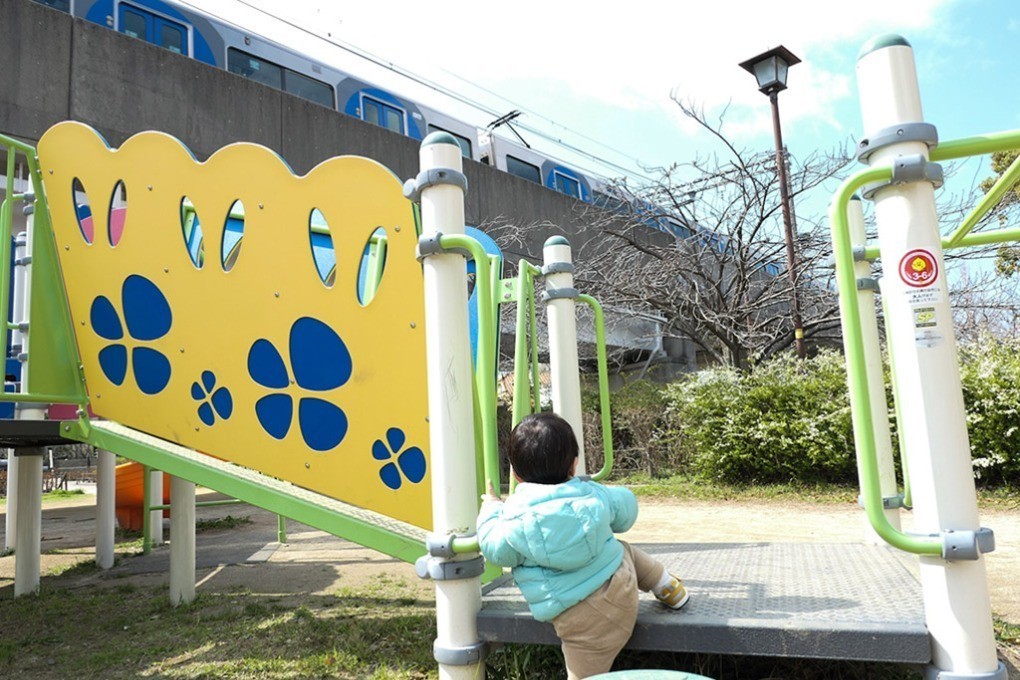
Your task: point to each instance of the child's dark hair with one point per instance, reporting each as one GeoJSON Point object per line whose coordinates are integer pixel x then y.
{"type": "Point", "coordinates": [543, 449]}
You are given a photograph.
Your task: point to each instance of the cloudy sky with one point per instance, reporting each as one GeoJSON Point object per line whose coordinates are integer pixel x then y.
{"type": "Point", "coordinates": [599, 75]}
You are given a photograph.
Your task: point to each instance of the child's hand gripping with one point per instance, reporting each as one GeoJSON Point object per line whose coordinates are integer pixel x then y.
{"type": "Point", "coordinates": [490, 493]}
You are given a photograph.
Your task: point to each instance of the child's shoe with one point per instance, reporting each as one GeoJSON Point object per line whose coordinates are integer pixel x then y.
{"type": "Point", "coordinates": [673, 594]}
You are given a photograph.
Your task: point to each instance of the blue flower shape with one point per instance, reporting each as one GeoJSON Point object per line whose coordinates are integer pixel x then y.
{"type": "Point", "coordinates": [148, 317]}
{"type": "Point", "coordinates": [321, 362]}
{"type": "Point", "coordinates": [411, 462]}
{"type": "Point", "coordinates": [214, 402]}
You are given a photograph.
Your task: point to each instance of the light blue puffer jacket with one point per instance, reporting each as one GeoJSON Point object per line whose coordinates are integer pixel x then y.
{"type": "Point", "coordinates": [558, 538]}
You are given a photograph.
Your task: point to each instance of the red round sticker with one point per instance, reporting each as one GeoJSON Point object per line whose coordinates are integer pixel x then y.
{"type": "Point", "coordinates": [918, 269]}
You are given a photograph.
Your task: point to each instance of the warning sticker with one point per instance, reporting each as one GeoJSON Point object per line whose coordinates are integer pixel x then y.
{"type": "Point", "coordinates": [918, 269]}
{"type": "Point", "coordinates": [924, 296]}
{"type": "Point", "coordinates": [924, 317]}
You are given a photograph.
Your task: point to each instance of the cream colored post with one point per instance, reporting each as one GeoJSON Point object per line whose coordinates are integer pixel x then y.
{"type": "Point", "coordinates": [182, 541]}
{"type": "Point", "coordinates": [451, 418]}
{"type": "Point", "coordinates": [156, 498]}
{"type": "Point", "coordinates": [920, 324]}
{"type": "Point", "coordinates": [564, 371]}
{"type": "Point", "coordinates": [28, 546]}
{"type": "Point", "coordinates": [28, 522]}
{"type": "Point", "coordinates": [11, 519]}
{"type": "Point", "coordinates": [876, 377]}
{"type": "Point", "coordinates": [106, 521]}
{"type": "Point", "coordinates": [16, 348]}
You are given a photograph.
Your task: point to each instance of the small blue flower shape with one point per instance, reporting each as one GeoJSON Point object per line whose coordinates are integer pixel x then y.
{"type": "Point", "coordinates": [148, 317]}
{"type": "Point", "coordinates": [215, 402]}
{"type": "Point", "coordinates": [321, 363]}
{"type": "Point", "coordinates": [410, 462]}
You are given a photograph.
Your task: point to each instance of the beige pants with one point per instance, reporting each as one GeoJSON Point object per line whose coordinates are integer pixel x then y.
{"type": "Point", "coordinates": [595, 629]}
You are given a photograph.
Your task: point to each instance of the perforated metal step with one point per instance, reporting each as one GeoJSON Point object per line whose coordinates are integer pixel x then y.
{"type": "Point", "coordinates": [830, 601]}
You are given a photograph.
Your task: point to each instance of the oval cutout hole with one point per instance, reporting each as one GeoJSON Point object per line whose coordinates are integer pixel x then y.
{"type": "Point", "coordinates": [233, 231]}
{"type": "Point", "coordinates": [373, 264]}
{"type": "Point", "coordinates": [191, 227]}
{"type": "Point", "coordinates": [83, 211]}
{"type": "Point", "coordinates": [323, 253]}
{"type": "Point", "coordinates": [118, 212]}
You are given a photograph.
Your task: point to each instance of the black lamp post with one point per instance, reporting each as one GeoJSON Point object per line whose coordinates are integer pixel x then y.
{"type": "Point", "coordinates": [770, 69]}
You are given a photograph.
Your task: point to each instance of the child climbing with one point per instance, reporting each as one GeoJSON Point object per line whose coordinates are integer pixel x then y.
{"type": "Point", "coordinates": [556, 533]}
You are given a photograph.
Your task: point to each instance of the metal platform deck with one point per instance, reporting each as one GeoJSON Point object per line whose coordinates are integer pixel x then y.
{"type": "Point", "coordinates": [828, 601]}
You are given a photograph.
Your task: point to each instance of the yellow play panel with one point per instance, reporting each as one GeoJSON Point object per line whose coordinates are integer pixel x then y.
{"type": "Point", "coordinates": [258, 361]}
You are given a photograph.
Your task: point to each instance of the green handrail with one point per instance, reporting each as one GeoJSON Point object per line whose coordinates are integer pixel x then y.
{"type": "Point", "coordinates": [485, 372]}
{"type": "Point", "coordinates": [963, 148]}
{"type": "Point", "coordinates": [522, 392]}
{"type": "Point", "coordinates": [604, 408]}
{"type": "Point", "coordinates": [857, 376]}
{"type": "Point", "coordinates": [536, 379]}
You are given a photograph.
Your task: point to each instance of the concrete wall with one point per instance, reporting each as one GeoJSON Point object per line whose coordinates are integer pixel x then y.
{"type": "Point", "coordinates": [54, 67]}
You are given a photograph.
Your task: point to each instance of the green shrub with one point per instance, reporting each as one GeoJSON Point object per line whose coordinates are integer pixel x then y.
{"type": "Point", "coordinates": [786, 421]}
{"type": "Point", "coordinates": [990, 373]}
{"type": "Point", "coordinates": [641, 439]}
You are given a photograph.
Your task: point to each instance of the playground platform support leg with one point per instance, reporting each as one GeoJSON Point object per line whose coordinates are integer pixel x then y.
{"type": "Point", "coordinates": [106, 494]}
{"type": "Point", "coordinates": [182, 541]}
{"type": "Point", "coordinates": [876, 381]}
{"type": "Point", "coordinates": [451, 416]}
{"type": "Point", "coordinates": [156, 498]}
{"type": "Point", "coordinates": [564, 372]}
{"type": "Point", "coordinates": [957, 608]}
{"type": "Point", "coordinates": [29, 543]}
{"type": "Point", "coordinates": [17, 342]}
{"type": "Point", "coordinates": [11, 519]}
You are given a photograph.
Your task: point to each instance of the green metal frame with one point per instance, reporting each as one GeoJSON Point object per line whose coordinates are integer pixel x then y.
{"type": "Point", "coordinates": [864, 431]}
{"type": "Point", "coordinates": [250, 491]}
{"type": "Point", "coordinates": [54, 376]}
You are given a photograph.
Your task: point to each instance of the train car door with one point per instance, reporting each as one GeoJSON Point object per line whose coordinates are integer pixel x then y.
{"type": "Point", "coordinates": [140, 23]}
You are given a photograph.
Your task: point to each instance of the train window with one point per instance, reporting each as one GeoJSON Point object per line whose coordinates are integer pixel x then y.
{"type": "Point", "coordinates": [171, 37]}
{"type": "Point", "coordinates": [133, 23]}
{"type": "Point", "coordinates": [259, 70]}
{"type": "Point", "coordinates": [139, 23]}
{"type": "Point", "coordinates": [515, 166]}
{"type": "Point", "coordinates": [375, 112]}
{"type": "Point", "coordinates": [566, 185]}
{"type": "Point", "coordinates": [62, 5]}
{"type": "Point", "coordinates": [607, 202]}
{"type": "Point", "coordinates": [307, 88]}
{"type": "Point", "coordinates": [463, 142]}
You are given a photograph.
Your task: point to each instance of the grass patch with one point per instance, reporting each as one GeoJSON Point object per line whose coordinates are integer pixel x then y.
{"type": "Point", "coordinates": [133, 632]}
{"type": "Point", "coordinates": [687, 487]}
{"type": "Point", "coordinates": [228, 522]}
{"type": "Point", "coordinates": [62, 495]}
{"type": "Point", "coordinates": [692, 488]}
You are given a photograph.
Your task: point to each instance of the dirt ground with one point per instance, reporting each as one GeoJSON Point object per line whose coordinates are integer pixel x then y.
{"type": "Point", "coordinates": [313, 562]}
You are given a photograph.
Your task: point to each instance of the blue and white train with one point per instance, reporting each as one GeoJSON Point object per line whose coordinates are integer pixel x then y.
{"type": "Point", "coordinates": [192, 33]}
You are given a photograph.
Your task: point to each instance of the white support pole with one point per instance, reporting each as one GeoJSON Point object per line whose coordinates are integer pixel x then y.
{"type": "Point", "coordinates": [564, 372]}
{"type": "Point", "coordinates": [17, 343]}
{"type": "Point", "coordinates": [156, 498]}
{"type": "Point", "coordinates": [106, 491]}
{"type": "Point", "coordinates": [451, 419]}
{"type": "Point", "coordinates": [876, 380]}
{"type": "Point", "coordinates": [182, 541]}
{"type": "Point", "coordinates": [920, 324]}
{"type": "Point", "coordinates": [11, 519]}
{"type": "Point", "coordinates": [28, 523]}
{"type": "Point", "coordinates": [28, 546]}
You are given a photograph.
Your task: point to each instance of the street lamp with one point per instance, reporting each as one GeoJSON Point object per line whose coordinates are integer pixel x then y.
{"type": "Point", "coordinates": [770, 69]}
